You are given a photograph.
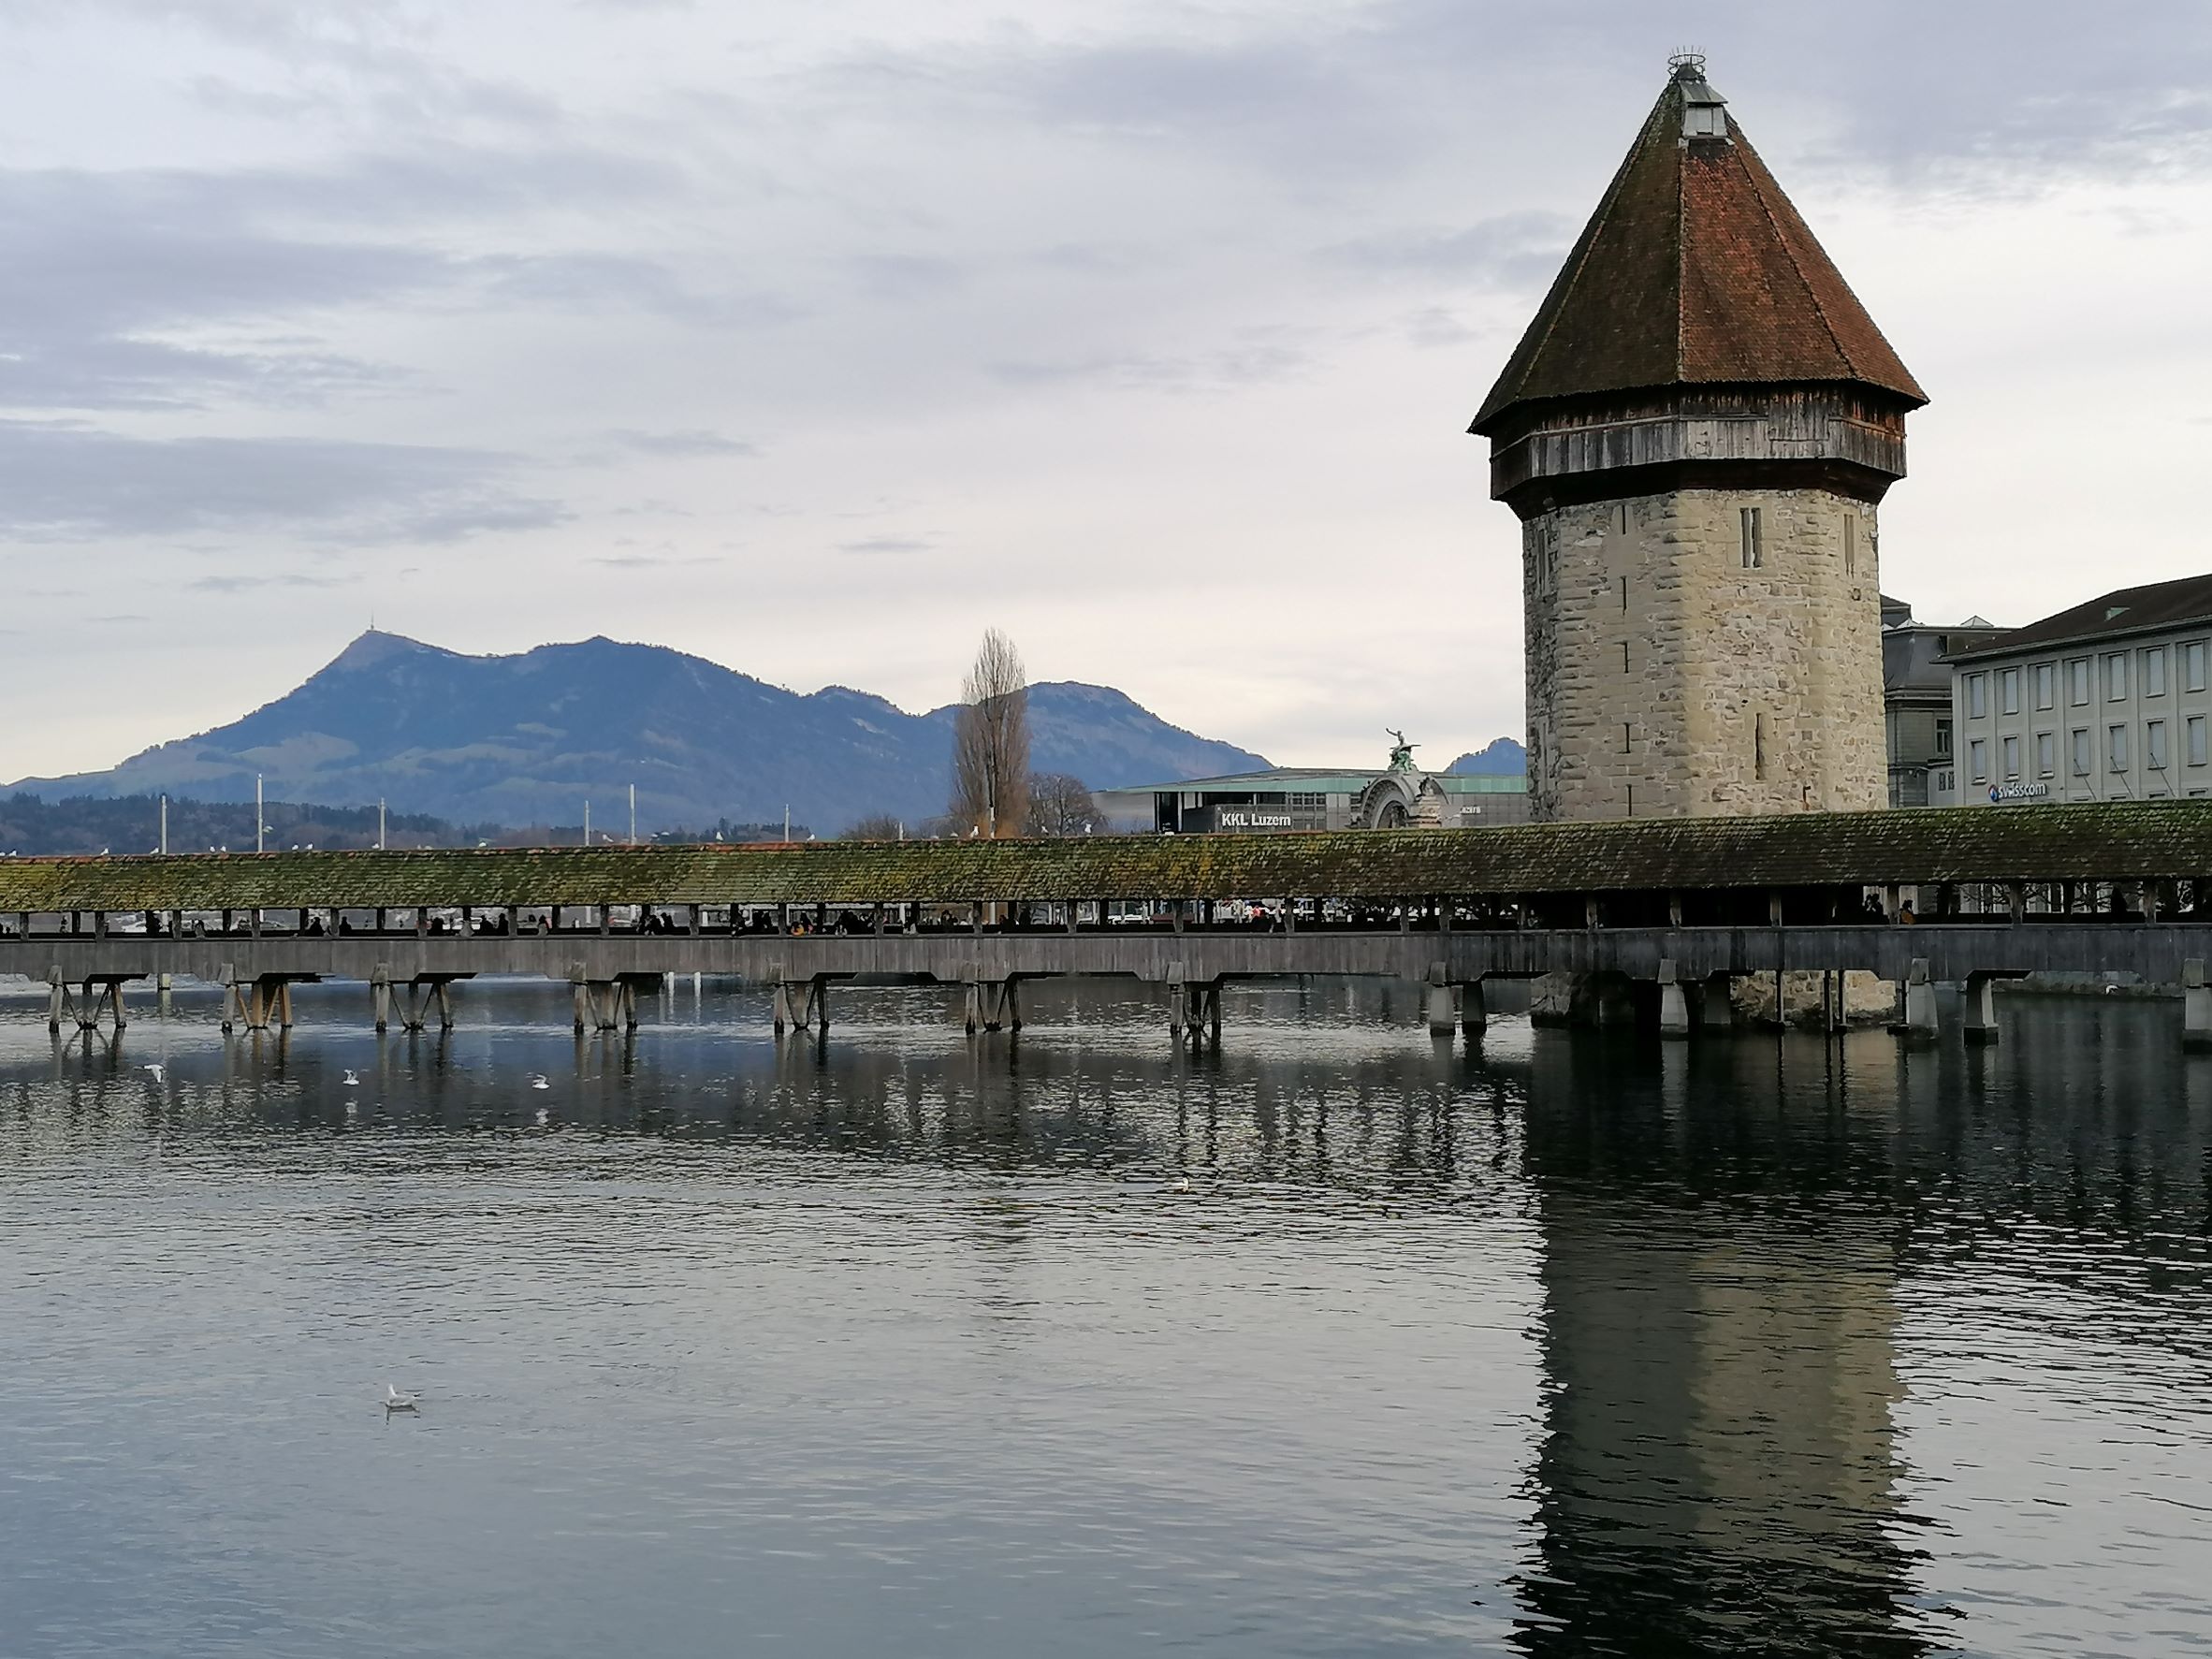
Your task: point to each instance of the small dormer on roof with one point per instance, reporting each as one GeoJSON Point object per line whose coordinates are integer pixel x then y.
{"type": "Point", "coordinates": [1705, 114]}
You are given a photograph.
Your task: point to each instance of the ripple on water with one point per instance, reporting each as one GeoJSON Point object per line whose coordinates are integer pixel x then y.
{"type": "Point", "coordinates": [1571, 1346]}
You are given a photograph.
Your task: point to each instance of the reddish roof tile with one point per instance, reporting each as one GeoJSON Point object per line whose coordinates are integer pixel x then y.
{"type": "Point", "coordinates": [1694, 270]}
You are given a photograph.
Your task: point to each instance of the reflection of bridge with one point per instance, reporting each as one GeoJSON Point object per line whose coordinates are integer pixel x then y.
{"type": "Point", "coordinates": [1738, 1255]}
{"type": "Point", "coordinates": [1680, 907]}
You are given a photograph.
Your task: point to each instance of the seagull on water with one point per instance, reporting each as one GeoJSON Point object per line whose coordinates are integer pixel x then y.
{"type": "Point", "coordinates": [1184, 1185]}
{"type": "Point", "coordinates": [350, 1080]}
{"type": "Point", "coordinates": [157, 1072]}
{"type": "Point", "coordinates": [394, 1401]}
{"type": "Point", "coordinates": [538, 1081]}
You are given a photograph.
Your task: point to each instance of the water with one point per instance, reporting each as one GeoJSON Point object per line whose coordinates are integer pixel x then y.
{"type": "Point", "coordinates": [905, 1345]}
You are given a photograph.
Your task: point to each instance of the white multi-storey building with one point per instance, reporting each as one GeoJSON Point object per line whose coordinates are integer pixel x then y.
{"type": "Point", "coordinates": [2110, 701]}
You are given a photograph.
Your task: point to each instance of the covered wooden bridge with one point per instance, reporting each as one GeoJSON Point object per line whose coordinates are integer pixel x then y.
{"type": "Point", "coordinates": [1684, 904]}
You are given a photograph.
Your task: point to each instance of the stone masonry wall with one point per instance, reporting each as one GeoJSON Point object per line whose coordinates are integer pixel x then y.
{"type": "Point", "coordinates": [1664, 678]}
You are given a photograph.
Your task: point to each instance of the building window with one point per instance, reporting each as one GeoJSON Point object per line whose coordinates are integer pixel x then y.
{"type": "Point", "coordinates": [2046, 685]}
{"type": "Point", "coordinates": [2154, 672]}
{"type": "Point", "coordinates": [2193, 666]}
{"type": "Point", "coordinates": [1308, 801]}
{"type": "Point", "coordinates": [2116, 749]}
{"type": "Point", "coordinates": [2008, 690]}
{"type": "Point", "coordinates": [2154, 746]}
{"type": "Point", "coordinates": [2115, 678]}
{"type": "Point", "coordinates": [1759, 741]}
{"type": "Point", "coordinates": [2046, 754]}
{"type": "Point", "coordinates": [1977, 758]}
{"type": "Point", "coordinates": [2077, 682]}
{"type": "Point", "coordinates": [1942, 741]}
{"type": "Point", "coordinates": [2196, 739]}
{"type": "Point", "coordinates": [2081, 752]}
{"type": "Point", "coordinates": [1851, 544]}
{"type": "Point", "coordinates": [1754, 552]}
{"type": "Point", "coordinates": [2012, 759]}
{"type": "Point", "coordinates": [1977, 696]}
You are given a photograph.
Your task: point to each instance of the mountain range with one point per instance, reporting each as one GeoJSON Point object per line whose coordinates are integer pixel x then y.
{"type": "Point", "coordinates": [529, 738]}
{"type": "Point", "coordinates": [1501, 755]}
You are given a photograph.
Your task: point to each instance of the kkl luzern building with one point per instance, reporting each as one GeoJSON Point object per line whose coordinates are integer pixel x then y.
{"type": "Point", "coordinates": [1695, 432]}
{"type": "Point", "coordinates": [2105, 702]}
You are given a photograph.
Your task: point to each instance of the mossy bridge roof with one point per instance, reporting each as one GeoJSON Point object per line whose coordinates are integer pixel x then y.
{"type": "Point", "coordinates": [2107, 841]}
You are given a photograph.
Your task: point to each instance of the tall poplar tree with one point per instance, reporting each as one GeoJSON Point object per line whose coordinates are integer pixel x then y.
{"type": "Point", "coordinates": [991, 742]}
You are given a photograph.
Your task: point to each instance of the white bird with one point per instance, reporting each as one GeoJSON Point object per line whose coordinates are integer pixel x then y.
{"type": "Point", "coordinates": [351, 1081]}
{"type": "Point", "coordinates": [155, 1069]}
{"type": "Point", "coordinates": [1183, 1185]}
{"type": "Point", "coordinates": [537, 1081]}
{"type": "Point", "coordinates": [394, 1401]}
{"type": "Point", "coordinates": [539, 1117]}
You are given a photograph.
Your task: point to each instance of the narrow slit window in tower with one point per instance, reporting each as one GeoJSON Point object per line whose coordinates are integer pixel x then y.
{"type": "Point", "coordinates": [1851, 544]}
{"type": "Point", "coordinates": [1753, 554]}
{"type": "Point", "coordinates": [1623, 592]}
{"type": "Point", "coordinates": [1759, 741]}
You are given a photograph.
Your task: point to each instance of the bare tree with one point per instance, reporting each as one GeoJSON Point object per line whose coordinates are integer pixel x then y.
{"type": "Point", "coordinates": [991, 742]}
{"type": "Point", "coordinates": [1062, 805]}
{"type": "Point", "coordinates": [875, 827]}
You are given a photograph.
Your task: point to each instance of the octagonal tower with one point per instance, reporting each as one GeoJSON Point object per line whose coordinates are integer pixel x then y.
{"type": "Point", "coordinates": [1695, 432]}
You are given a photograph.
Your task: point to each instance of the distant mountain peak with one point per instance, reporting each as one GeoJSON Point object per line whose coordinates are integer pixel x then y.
{"type": "Point", "coordinates": [373, 647]}
{"type": "Point", "coordinates": [1501, 756]}
{"type": "Point", "coordinates": [528, 738]}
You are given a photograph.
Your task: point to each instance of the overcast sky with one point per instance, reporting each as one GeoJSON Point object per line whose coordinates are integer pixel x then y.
{"type": "Point", "coordinates": [814, 337]}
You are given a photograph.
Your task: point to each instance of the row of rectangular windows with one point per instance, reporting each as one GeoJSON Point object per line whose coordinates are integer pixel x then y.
{"type": "Point", "coordinates": [2116, 757]}
{"type": "Point", "coordinates": [1751, 539]}
{"type": "Point", "coordinates": [2043, 679]}
{"type": "Point", "coordinates": [1751, 544]}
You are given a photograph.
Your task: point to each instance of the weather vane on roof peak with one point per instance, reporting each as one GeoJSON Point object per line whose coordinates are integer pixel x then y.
{"type": "Point", "coordinates": [1687, 64]}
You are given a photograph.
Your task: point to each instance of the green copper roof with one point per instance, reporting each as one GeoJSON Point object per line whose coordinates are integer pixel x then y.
{"type": "Point", "coordinates": [2110, 841]}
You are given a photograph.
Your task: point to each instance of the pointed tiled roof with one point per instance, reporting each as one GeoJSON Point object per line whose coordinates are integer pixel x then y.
{"type": "Point", "coordinates": [1694, 270]}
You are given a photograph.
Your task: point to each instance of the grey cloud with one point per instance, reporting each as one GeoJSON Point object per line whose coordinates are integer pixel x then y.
{"type": "Point", "coordinates": [120, 373]}
{"type": "Point", "coordinates": [62, 483]}
{"type": "Point", "coordinates": [1233, 367]}
{"type": "Point", "coordinates": [1510, 250]}
{"type": "Point", "coordinates": [682, 445]}
{"type": "Point", "coordinates": [362, 53]}
{"type": "Point", "coordinates": [102, 265]}
{"type": "Point", "coordinates": [648, 560]}
{"type": "Point", "coordinates": [881, 546]}
{"type": "Point", "coordinates": [903, 276]}
{"type": "Point", "coordinates": [247, 584]}
{"type": "Point", "coordinates": [615, 282]}
{"type": "Point", "coordinates": [111, 252]}
{"type": "Point", "coordinates": [1988, 90]}
{"type": "Point", "coordinates": [1433, 327]}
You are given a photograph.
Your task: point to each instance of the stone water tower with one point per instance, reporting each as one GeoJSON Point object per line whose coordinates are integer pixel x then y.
{"type": "Point", "coordinates": [1695, 432]}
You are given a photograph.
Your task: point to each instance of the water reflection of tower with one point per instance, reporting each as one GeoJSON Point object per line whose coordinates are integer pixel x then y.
{"type": "Point", "coordinates": [1717, 1472]}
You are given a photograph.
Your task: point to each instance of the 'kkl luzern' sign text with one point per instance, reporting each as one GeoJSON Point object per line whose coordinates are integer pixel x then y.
{"type": "Point", "coordinates": [1231, 818]}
